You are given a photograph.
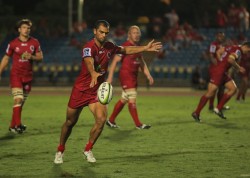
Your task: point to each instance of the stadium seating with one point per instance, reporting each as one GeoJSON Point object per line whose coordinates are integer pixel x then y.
{"type": "Point", "coordinates": [63, 59]}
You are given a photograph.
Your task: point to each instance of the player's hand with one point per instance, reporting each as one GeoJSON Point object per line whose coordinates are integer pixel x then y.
{"type": "Point", "coordinates": [26, 55]}
{"type": "Point", "coordinates": [150, 79]}
{"type": "Point", "coordinates": [153, 46]}
{"type": "Point", "coordinates": [109, 80]}
{"type": "Point", "coordinates": [94, 76]}
{"type": "Point", "coordinates": [242, 70]}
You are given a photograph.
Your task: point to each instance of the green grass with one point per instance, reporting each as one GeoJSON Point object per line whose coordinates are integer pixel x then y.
{"type": "Point", "coordinates": [175, 146]}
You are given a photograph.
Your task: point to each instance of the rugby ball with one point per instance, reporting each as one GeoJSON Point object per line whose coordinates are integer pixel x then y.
{"type": "Point", "coordinates": [105, 93]}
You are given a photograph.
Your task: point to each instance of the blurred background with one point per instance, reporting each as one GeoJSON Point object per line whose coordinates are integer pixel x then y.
{"type": "Point", "coordinates": [185, 27]}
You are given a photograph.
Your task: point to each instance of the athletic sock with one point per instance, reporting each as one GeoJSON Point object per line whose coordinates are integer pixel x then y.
{"type": "Point", "coordinates": [220, 94]}
{"type": "Point", "coordinates": [61, 148]}
{"type": "Point", "coordinates": [88, 146]}
{"type": "Point", "coordinates": [223, 101]}
{"type": "Point", "coordinates": [16, 116]}
{"type": "Point", "coordinates": [117, 109]}
{"type": "Point", "coordinates": [211, 102]}
{"type": "Point", "coordinates": [201, 104]}
{"type": "Point", "coordinates": [243, 96]}
{"type": "Point", "coordinates": [133, 112]}
{"type": "Point", "coordinates": [238, 96]}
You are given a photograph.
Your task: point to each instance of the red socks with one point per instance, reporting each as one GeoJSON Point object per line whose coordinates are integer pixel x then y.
{"type": "Point", "coordinates": [16, 116]}
{"type": "Point", "coordinates": [223, 101]}
{"type": "Point", "coordinates": [133, 112]}
{"type": "Point", "coordinates": [89, 146]}
{"type": "Point", "coordinates": [61, 148]}
{"type": "Point", "coordinates": [201, 104]}
{"type": "Point", "coordinates": [211, 102]}
{"type": "Point", "coordinates": [117, 109]}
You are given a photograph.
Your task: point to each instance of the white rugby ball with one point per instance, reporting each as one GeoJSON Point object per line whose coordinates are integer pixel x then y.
{"type": "Point", "coordinates": [105, 93]}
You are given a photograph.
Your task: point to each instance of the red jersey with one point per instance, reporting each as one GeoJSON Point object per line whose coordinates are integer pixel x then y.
{"type": "Point", "coordinates": [22, 67]}
{"type": "Point", "coordinates": [223, 64]}
{"type": "Point", "coordinates": [129, 68]}
{"type": "Point", "coordinates": [101, 57]}
{"type": "Point", "coordinates": [214, 46]}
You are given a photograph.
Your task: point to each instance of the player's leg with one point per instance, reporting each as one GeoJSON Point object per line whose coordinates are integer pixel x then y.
{"type": "Point", "coordinates": [100, 113]}
{"type": "Point", "coordinates": [240, 90]}
{"type": "Point", "coordinates": [71, 119]}
{"type": "Point", "coordinates": [231, 90]}
{"type": "Point", "coordinates": [244, 88]}
{"type": "Point", "coordinates": [26, 91]}
{"type": "Point", "coordinates": [17, 109]}
{"type": "Point", "coordinates": [117, 109]}
{"type": "Point", "coordinates": [211, 103]}
{"type": "Point", "coordinates": [211, 90]}
{"type": "Point", "coordinates": [132, 107]}
{"type": "Point", "coordinates": [245, 79]}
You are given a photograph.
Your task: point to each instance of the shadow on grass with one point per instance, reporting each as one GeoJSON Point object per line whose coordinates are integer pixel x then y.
{"type": "Point", "coordinates": [154, 157]}
{"type": "Point", "coordinates": [227, 125]}
{"type": "Point", "coordinates": [7, 136]}
{"type": "Point", "coordinates": [118, 134]}
{"type": "Point", "coordinates": [87, 172]}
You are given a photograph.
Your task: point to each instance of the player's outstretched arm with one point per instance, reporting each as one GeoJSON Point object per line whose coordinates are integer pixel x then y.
{"type": "Point", "coordinates": [151, 46]}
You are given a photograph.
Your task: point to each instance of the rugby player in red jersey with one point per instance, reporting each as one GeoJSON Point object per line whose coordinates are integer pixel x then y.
{"type": "Point", "coordinates": [214, 46]}
{"type": "Point", "coordinates": [130, 65]}
{"type": "Point", "coordinates": [96, 55]}
{"type": "Point", "coordinates": [220, 77]}
{"type": "Point", "coordinates": [244, 77]}
{"type": "Point", "coordinates": [23, 50]}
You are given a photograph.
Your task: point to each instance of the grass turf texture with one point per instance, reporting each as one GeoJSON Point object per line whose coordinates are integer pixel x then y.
{"type": "Point", "coordinates": [175, 146]}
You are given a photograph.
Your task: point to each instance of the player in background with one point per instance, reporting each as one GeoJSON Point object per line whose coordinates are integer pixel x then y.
{"type": "Point", "coordinates": [23, 50]}
{"type": "Point", "coordinates": [96, 55]}
{"type": "Point", "coordinates": [130, 65]}
{"type": "Point", "coordinates": [244, 78]}
{"type": "Point", "coordinates": [214, 46]}
{"type": "Point", "coordinates": [220, 77]}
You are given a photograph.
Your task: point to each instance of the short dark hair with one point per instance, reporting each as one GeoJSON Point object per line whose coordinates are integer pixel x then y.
{"type": "Point", "coordinates": [23, 21]}
{"type": "Point", "coordinates": [101, 22]}
{"type": "Point", "coordinates": [247, 43]}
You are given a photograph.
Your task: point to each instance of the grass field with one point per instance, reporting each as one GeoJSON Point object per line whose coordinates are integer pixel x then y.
{"type": "Point", "coordinates": [175, 146]}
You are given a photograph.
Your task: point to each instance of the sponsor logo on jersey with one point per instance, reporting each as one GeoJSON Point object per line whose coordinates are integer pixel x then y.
{"type": "Point", "coordinates": [86, 52]}
{"type": "Point", "coordinates": [17, 49]}
{"type": "Point", "coordinates": [108, 55]}
{"type": "Point", "coordinates": [24, 44]}
{"type": "Point", "coordinates": [32, 48]}
{"type": "Point", "coordinates": [238, 53]}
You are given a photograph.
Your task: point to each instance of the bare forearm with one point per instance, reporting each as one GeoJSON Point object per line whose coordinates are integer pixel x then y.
{"type": "Point", "coordinates": [134, 49]}
{"type": "Point", "coordinates": [37, 57]}
{"type": "Point", "coordinates": [232, 61]}
{"type": "Point", "coordinates": [4, 63]}
{"type": "Point", "coordinates": [89, 64]}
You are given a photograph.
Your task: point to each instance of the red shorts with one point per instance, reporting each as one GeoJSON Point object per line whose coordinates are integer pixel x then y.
{"type": "Point", "coordinates": [128, 81]}
{"type": "Point", "coordinates": [80, 99]}
{"type": "Point", "coordinates": [20, 82]}
{"type": "Point", "coordinates": [219, 79]}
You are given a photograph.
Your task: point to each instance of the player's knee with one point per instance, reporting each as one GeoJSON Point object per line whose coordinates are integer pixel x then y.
{"type": "Point", "coordinates": [17, 94]}
{"type": "Point", "coordinates": [124, 96]}
{"type": "Point", "coordinates": [132, 95]}
{"type": "Point", "coordinates": [70, 122]}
